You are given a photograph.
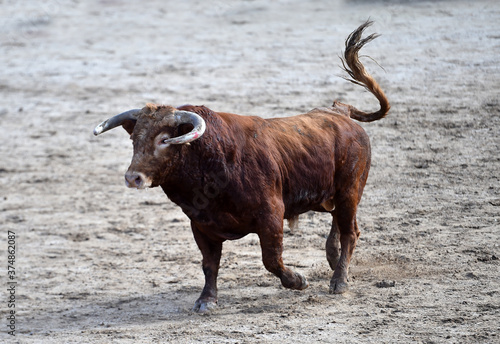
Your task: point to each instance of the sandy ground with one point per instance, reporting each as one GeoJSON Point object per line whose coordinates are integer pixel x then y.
{"type": "Point", "coordinates": [99, 263]}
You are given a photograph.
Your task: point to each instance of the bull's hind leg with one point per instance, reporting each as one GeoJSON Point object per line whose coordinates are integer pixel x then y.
{"type": "Point", "coordinates": [351, 178]}
{"type": "Point", "coordinates": [333, 244]}
{"type": "Point", "coordinates": [344, 231]}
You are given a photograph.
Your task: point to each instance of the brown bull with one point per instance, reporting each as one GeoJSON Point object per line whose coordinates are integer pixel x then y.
{"type": "Point", "coordinates": [234, 175]}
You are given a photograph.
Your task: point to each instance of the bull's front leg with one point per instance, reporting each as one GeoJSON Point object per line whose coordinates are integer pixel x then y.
{"type": "Point", "coordinates": [271, 242]}
{"type": "Point", "coordinates": [211, 251]}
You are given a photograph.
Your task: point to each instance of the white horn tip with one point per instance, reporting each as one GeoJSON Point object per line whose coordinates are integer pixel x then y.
{"type": "Point", "coordinates": [99, 129]}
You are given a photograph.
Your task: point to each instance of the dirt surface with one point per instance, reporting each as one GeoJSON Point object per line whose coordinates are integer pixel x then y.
{"type": "Point", "coordinates": [98, 263]}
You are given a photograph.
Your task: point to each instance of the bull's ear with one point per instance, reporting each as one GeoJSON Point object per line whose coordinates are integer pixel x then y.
{"type": "Point", "coordinates": [126, 119]}
{"type": "Point", "coordinates": [129, 126]}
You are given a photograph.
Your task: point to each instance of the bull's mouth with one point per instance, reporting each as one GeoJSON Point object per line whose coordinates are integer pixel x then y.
{"type": "Point", "coordinates": [137, 180]}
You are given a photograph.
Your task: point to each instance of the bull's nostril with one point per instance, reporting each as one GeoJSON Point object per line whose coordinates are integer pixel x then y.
{"type": "Point", "coordinates": [138, 181]}
{"type": "Point", "coordinates": [133, 180]}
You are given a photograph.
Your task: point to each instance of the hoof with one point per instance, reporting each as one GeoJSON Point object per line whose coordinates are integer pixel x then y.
{"type": "Point", "coordinates": [204, 306]}
{"type": "Point", "coordinates": [338, 286]}
{"type": "Point", "coordinates": [304, 284]}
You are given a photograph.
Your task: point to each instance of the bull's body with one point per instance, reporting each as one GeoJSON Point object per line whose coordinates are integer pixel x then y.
{"type": "Point", "coordinates": [286, 166]}
{"type": "Point", "coordinates": [241, 175]}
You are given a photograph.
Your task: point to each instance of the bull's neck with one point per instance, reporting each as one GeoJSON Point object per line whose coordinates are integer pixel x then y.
{"type": "Point", "coordinates": [199, 179]}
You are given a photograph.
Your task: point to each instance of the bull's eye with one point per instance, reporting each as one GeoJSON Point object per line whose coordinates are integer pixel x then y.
{"type": "Point", "coordinates": [163, 140]}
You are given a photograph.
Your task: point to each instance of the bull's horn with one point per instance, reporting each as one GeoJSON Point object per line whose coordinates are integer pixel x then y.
{"type": "Point", "coordinates": [113, 122]}
{"type": "Point", "coordinates": [186, 117]}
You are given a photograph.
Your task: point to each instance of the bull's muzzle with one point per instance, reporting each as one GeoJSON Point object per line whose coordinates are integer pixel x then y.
{"type": "Point", "coordinates": [137, 180]}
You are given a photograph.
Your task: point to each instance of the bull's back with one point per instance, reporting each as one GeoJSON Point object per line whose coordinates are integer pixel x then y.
{"type": "Point", "coordinates": [315, 153]}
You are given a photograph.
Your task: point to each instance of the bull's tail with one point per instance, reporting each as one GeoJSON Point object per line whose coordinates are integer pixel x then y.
{"type": "Point", "coordinates": [361, 77]}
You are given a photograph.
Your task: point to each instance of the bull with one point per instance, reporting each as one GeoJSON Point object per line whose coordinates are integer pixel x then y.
{"type": "Point", "coordinates": [233, 175]}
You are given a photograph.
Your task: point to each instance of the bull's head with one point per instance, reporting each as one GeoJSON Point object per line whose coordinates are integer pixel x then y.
{"type": "Point", "coordinates": [156, 132]}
